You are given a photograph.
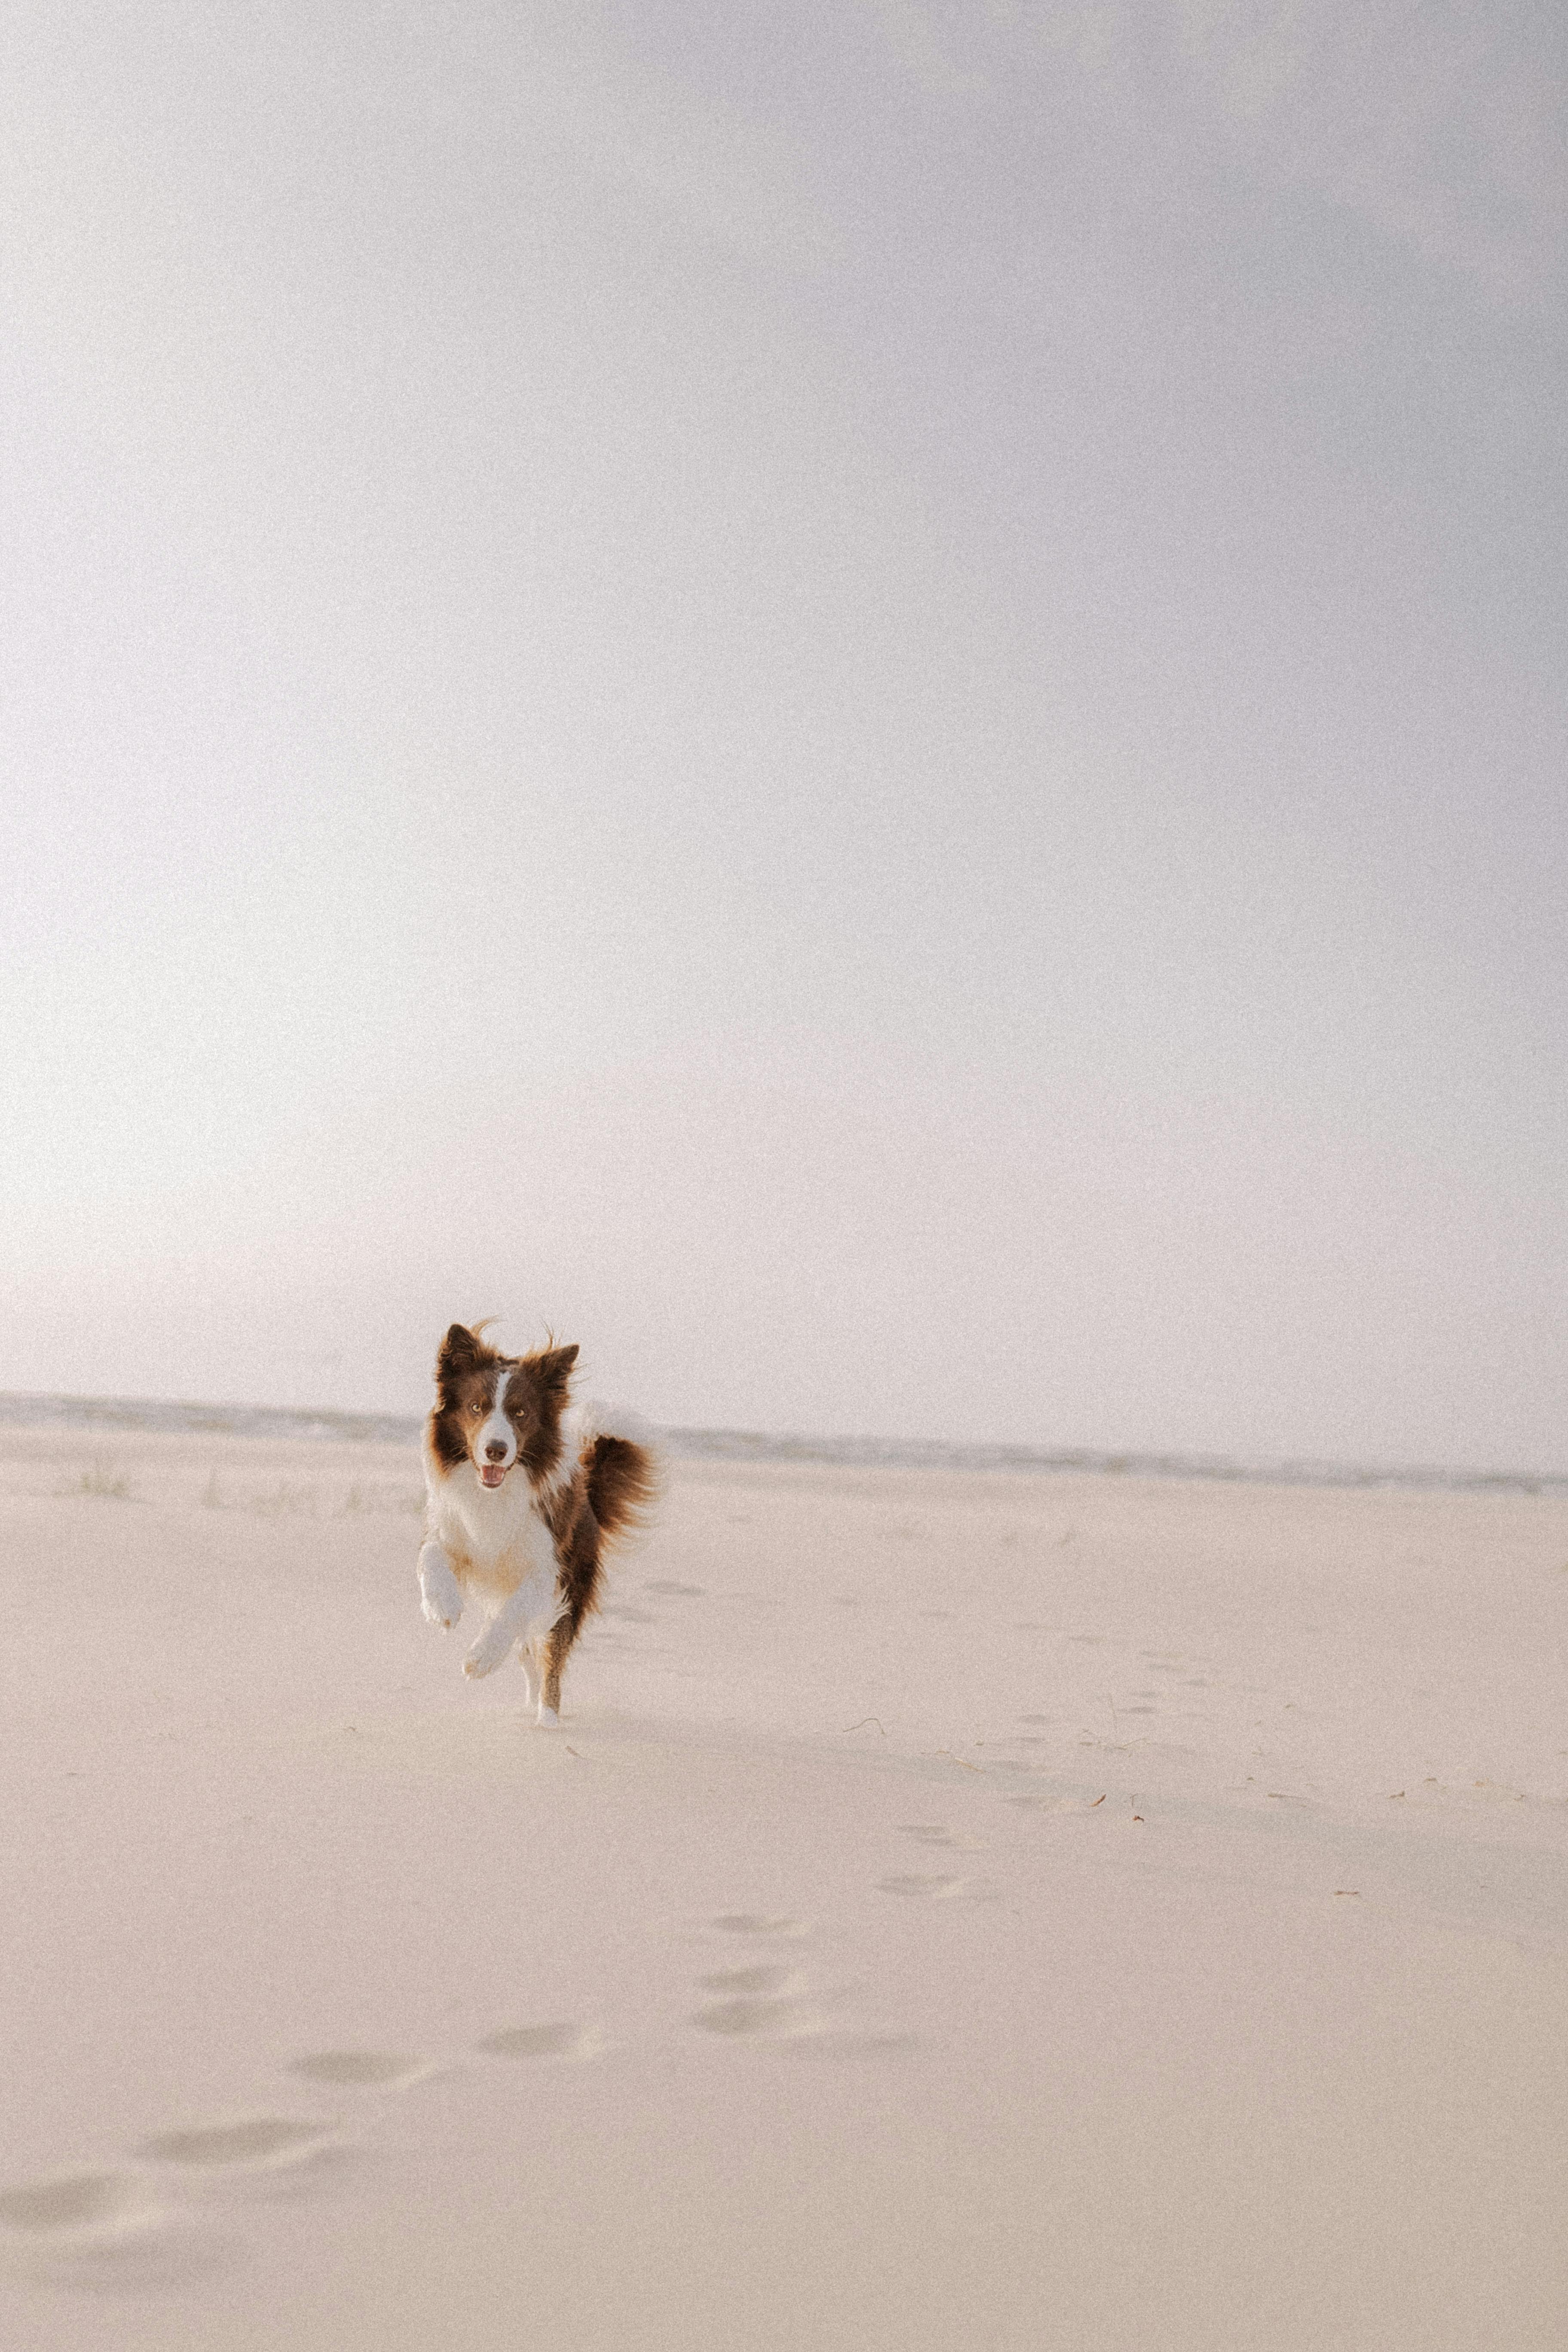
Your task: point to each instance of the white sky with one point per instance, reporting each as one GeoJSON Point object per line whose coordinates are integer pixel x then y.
{"type": "Point", "coordinates": [863, 701]}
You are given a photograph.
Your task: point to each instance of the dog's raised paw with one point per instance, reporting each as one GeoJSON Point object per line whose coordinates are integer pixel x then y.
{"type": "Point", "coordinates": [491, 1650]}
{"type": "Point", "coordinates": [440, 1594]}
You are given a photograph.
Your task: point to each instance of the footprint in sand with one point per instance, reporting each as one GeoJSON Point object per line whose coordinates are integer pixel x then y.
{"type": "Point", "coordinates": [937, 1834]}
{"type": "Point", "coordinates": [772, 2004]}
{"type": "Point", "coordinates": [768, 2004]}
{"type": "Point", "coordinates": [259, 2143]}
{"type": "Point", "coordinates": [758, 1923]}
{"type": "Point", "coordinates": [765, 1978]}
{"type": "Point", "coordinates": [779, 2016]}
{"type": "Point", "coordinates": [829, 2045]}
{"type": "Point", "coordinates": [76, 2203]}
{"type": "Point", "coordinates": [558, 2040]}
{"type": "Point", "coordinates": [918, 1883]}
{"type": "Point", "coordinates": [765, 2000]}
{"type": "Point", "coordinates": [669, 1584]}
{"type": "Point", "coordinates": [101, 2230]}
{"type": "Point", "coordinates": [366, 2070]}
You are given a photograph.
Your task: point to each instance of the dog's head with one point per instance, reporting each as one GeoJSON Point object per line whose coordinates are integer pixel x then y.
{"type": "Point", "coordinates": [498, 1411]}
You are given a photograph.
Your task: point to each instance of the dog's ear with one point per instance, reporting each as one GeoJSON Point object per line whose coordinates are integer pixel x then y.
{"type": "Point", "coordinates": [552, 1369]}
{"type": "Point", "coordinates": [458, 1353]}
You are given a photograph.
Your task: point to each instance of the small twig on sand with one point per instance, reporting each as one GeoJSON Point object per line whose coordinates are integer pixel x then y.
{"type": "Point", "coordinates": [864, 1719]}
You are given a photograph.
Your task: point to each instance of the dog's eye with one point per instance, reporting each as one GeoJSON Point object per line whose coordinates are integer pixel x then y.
{"type": "Point", "coordinates": [475, 1408]}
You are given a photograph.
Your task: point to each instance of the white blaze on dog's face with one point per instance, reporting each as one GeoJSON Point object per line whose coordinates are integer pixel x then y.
{"type": "Point", "coordinates": [492, 1445]}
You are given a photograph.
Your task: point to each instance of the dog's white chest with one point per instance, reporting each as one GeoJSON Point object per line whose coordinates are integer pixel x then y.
{"type": "Point", "coordinates": [496, 1540]}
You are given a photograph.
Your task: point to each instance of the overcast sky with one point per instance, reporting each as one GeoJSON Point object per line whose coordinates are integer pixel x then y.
{"type": "Point", "coordinates": [863, 701]}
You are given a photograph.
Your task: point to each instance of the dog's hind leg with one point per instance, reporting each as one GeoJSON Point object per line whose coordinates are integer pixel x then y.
{"type": "Point", "coordinates": [578, 1585]}
{"type": "Point", "coordinates": [528, 1659]}
{"type": "Point", "coordinates": [556, 1644]}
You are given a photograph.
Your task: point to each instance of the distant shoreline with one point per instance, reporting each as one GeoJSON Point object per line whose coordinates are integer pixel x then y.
{"type": "Point", "coordinates": [128, 1413]}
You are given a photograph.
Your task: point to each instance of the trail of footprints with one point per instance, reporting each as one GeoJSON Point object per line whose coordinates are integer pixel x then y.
{"type": "Point", "coordinates": [158, 2218]}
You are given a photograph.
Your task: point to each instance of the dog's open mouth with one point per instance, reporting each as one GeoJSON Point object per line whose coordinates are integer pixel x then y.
{"type": "Point", "coordinates": [492, 1473]}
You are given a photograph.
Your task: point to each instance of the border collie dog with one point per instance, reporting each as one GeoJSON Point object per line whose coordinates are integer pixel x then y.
{"type": "Point", "coordinates": [523, 1496]}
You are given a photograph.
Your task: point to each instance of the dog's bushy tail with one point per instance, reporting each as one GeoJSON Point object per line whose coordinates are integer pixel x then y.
{"type": "Point", "coordinates": [622, 1470]}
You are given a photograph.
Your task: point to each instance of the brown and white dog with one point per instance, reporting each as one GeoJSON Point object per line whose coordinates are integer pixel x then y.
{"type": "Point", "coordinates": [523, 1496]}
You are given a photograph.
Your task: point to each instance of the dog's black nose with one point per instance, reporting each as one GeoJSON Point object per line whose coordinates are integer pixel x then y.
{"type": "Point", "coordinates": [495, 1452]}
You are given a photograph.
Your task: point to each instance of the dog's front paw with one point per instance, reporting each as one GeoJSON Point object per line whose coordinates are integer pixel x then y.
{"type": "Point", "coordinates": [487, 1655]}
{"type": "Point", "coordinates": [440, 1594]}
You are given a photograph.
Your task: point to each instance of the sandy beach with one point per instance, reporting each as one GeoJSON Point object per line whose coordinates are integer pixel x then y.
{"type": "Point", "coordinates": [993, 1911]}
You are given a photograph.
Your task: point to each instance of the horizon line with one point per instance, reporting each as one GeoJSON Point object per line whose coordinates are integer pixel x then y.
{"type": "Point", "coordinates": [173, 1416]}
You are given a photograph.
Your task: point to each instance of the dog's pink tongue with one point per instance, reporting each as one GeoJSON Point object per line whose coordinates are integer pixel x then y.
{"type": "Point", "coordinates": [491, 1475]}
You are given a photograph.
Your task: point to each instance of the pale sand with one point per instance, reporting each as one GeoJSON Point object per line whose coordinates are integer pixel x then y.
{"type": "Point", "coordinates": [802, 1991]}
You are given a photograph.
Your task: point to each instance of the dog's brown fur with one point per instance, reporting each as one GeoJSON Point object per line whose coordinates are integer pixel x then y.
{"type": "Point", "coordinates": [611, 1491]}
